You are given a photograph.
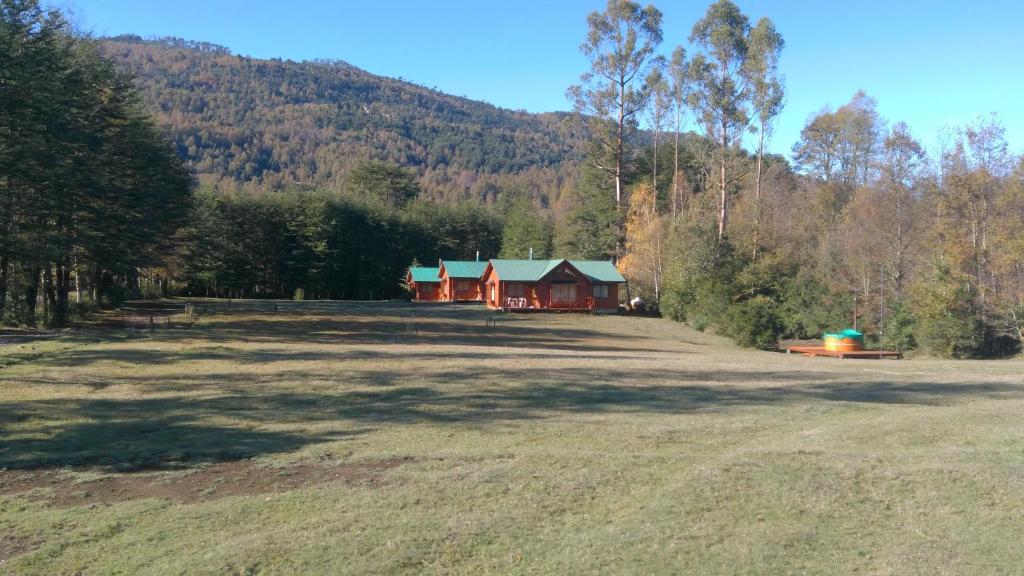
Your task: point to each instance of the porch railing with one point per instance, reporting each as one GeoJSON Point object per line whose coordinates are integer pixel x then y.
{"type": "Point", "coordinates": [585, 304]}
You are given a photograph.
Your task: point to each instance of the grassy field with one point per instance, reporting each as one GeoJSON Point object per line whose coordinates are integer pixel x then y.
{"type": "Point", "coordinates": [338, 438]}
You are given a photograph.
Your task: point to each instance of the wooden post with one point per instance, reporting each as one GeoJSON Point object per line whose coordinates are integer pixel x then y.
{"type": "Point", "coordinates": [881, 308]}
{"type": "Point", "coordinates": [854, 311]}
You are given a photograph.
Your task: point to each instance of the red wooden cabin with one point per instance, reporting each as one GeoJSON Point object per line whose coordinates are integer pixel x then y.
{"type": "Point", "coordinates": [461, 280]}
{"type": "Point", "coordinates": [572, 285]}
{"type": "Point", "coordinates": [425, 283]}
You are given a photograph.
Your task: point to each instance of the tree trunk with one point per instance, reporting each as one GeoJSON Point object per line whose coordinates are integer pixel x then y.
{"type": "Point", "coordinates": [49, 294]}
{"type": "Point", "coordinates": [132, 283]}
{"type": "Point", "coordinates": [658, 269]}
{"type": "Point", "coordinates": [723, 207]}
{"type": "Point", "coordinates": [4, 263]}
{"type": "Point", "coordinates": [31, 294]}
{"type": "Point", "coordinates": [757, 192]}
{"type": "Point", "coordinates": [619, 144]}
{"type": "Point", "coordinates": [619, 136]}
{"type": "Point", "coordinates": [97, 287]}
{"type": "Point", "coordinates": [7, 235]}
{"type": "Point", "coordinates": [60, 309]}
{"type": "Point", "coordinates": [655, 164]}
{"type": "Point", "coordinates": [675, 164]}
{"type": "Point", "coordinates": [78, 283]}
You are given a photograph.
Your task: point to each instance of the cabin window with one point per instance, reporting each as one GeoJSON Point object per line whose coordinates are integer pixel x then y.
{"type": "Point", "coordinates": [427, 288]}
{"type": "Point", "coordinates": [563, 292]}
{"type": "Point", "coordinates": [493, 297]}
{"type": "Point", "coordinates": [463, 285]}
{"type": "Point", "coordinates": [516, 291]}
{"type": "Point", "coordinates": [600, 290]}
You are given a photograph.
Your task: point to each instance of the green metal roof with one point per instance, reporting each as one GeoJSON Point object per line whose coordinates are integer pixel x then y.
{"type": "Point", "coordinates": [523, 270]}
{"type": "Point", "coordinates": [598, 270]}
{"type": "Point", "coordinates": [534, 270]}
{"type": "Point", "coordinates": [464, 269]}
{"type": "Point", "coordinates": [424, 274]}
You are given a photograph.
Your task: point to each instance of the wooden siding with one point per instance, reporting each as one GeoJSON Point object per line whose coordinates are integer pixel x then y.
{"type": "Point", "coordinates": [424, 291]}
{"type": "Point", "coordinates": [553, 292]}
{"type": "Point", "coordinates": [461, 289]}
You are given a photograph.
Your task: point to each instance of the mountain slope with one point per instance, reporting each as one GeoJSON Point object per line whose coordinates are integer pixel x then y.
{"type": "Point", "coordinates": [267, 124]}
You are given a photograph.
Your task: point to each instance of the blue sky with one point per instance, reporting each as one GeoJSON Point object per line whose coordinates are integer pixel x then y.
{"type": "Point", "coordinates": [930, 64]}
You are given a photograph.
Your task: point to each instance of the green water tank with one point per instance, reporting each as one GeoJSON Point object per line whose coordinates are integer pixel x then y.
{"type": "Point", "coordinates": [845, 341]}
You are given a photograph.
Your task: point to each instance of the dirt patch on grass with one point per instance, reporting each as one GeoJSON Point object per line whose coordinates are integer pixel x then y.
{"type": "Point", "coordinates": [11, 546]}
{"type": "Point", "coordinates": [208, 483]}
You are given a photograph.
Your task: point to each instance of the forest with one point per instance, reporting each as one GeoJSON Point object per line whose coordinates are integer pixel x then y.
{"type": "Point", "coordinates": [132, 167]}
{"type": "Point", "coordinates": [244, 124]}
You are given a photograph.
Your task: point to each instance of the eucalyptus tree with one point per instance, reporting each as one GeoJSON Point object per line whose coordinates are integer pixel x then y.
{"type": "Point", "coordinates": [766, 97]}
{"type": "Point", "coordinates": [659, 109]}
{"type": "Point", "coordinates": [620, 45]}
{"type": "Point", "coordinates": [680, 88]}
{"type": "Point", "coordinates": [722, 92]}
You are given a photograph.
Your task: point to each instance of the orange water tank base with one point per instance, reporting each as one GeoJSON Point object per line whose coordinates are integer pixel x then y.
{"type": "Point", "coordinates": [843, 345]}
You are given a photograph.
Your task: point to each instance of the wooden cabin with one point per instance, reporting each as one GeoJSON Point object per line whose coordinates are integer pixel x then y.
{"type": "Point", "coordinates": [570, 285]}
{"type": "Point", "coordinates": [425, 283]}
{"type": "Point", "coordinates": [460, 280]}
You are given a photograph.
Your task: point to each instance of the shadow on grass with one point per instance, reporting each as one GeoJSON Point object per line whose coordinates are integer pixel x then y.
{"type": "Point", "coordinates": [217, 337]}
{"type": "Point", "coordinates": [518, 332]}
{"type": "Point", "coordinates": [204, 415]}
{"type": "Point", "coordinates": [269, 322]}
{"type": "Point", "coordinates": [149, 444]}
{"type": "Point", "coordinates": [335, 322]}
{"type": "Point", "coordinates": [141, 356]}
{"type": "Point", "coordinates": [178, 430]}
{"type": "Point", "coordinates": [137, 434]}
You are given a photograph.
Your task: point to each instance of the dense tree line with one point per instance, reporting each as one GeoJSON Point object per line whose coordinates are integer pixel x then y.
{"type": "Point", "coordinates": [323, 245]}
{"type": "Point", "coordinates": [89, 189]}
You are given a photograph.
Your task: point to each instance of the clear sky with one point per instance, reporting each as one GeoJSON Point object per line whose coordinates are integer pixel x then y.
{"type": "Point", "coordinates": [928, 63]}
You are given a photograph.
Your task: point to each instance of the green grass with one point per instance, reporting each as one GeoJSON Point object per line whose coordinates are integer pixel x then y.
{"type": "Point", "coordinates": [354, 438]}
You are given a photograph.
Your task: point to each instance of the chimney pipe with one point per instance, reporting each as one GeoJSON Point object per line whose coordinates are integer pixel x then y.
{"type": "Point", "coordinates": [477, 255]}
{"type": "Point", "coordinates": [531, 252]}
{"type": "Point", "coordinates": [438, 262]}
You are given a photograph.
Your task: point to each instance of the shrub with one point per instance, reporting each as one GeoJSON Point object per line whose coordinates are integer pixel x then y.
{"type": "Point", "coordinates": [151, 291]}
{"type": "Point", "coordinates": [698, 284]}
{"type": "Point", "coordinates": [944, 310]}
{"type": "Point", "coordinates": [900, 328]}
{"type": "Point", "coordinates": [809, 308]}
{"type": "Point", "coordinates": [299, 294]}
{"type": "Point", "coordinates": [754, 323]}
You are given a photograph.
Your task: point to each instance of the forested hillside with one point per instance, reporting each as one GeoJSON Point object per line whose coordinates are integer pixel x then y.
{"type": "Point", "coordinates": [250, 124]}
{"type": "Point", "coordinates": [320, 180]}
